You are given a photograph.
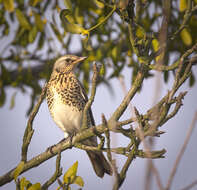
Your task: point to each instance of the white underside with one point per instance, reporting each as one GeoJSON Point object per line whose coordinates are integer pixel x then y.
{"type": "Point", "coordinates": [66, 118]}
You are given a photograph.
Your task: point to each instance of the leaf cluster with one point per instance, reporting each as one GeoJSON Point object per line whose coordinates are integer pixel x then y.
{"type": "Point", "coordinates": [38, 35]}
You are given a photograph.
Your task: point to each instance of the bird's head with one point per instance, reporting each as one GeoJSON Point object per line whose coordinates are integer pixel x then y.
{"type": "Point", "coordinates": [67, 63]}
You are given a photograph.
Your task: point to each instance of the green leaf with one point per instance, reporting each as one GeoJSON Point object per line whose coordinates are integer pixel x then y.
{"type": "Point", "coordinates": [39, 22]}
{"type": "Point", "coordinates": [12, 103]}
{"type": "Point", "coordinates": [166, 76]}
{"type": "Point", "coordinates": [140, 33]}
{"type": "Point", "coordinates": [155, 44]}
{"type": "Point", "coordinates": [79, 181]}
{"type": "Point", "coordinates": [56, 31]}
{"type": "Point", "coordinates": [102, 70]}
{"type": "Point", "coordinates": [34, 2]}
{"type": "Point", "coordinates": [24, 183]}
{"type": "Point", "coordinates": [182, 5]}
{"type": "Point", "coordinates": [186, 37]}
{"type": "Point", "coordinates": [22, 19]}
{"type": "Point", "coordinates": [68, 4]}
{"type": "Point", "coordinates": [78, 16]}
{"type": "Point", "coordinates": [32, 34]}
{"type": "Point", "coordinates": [18, 170]}
{"type": "Point", "coordinates": [41, 41]}
{"type": "Point", "coordinates": [36, 186]}
{"type": "Point", "coordinates": [191, 80]}
{"type": "Point", "coordinates": [2, 97]}
{"type": "Point", "coordinates": [86, 43]}
{"type": "Point", "coordinates": [71, 173]}
{"type": "Point", "coordinates": [58, 188]}
{"type": "Point", "coordinates": [9, 5]}
{"type": "Point", "coordinates": [71, 27]}
{"type": "Point", "coordinates": [115, 53]}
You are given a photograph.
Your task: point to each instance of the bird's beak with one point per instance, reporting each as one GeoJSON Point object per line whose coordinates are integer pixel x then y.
{"type": "Point", "coordinates": [81, 59]}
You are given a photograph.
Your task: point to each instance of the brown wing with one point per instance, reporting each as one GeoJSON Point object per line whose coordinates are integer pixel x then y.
{"type": "Point", "coordinates": [84, 95]}
{"type": "Point", "coordinates": [98, 160]}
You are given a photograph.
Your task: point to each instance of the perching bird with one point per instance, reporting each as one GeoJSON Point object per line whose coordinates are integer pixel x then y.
{"type": "Point", "coordinates": [66, 100]}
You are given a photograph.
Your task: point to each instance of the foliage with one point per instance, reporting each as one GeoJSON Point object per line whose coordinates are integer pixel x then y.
{"type": "Point", "coordinates": [23, 183]}
{"type": "Point", "coordinates": [142, 36]}
{"type": "Point", "coordinates": [37, 37]}
{"type": "Point", "coordinates": [70, 177]}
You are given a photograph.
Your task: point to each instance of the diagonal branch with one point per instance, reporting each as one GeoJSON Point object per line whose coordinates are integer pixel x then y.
{"type": "Point", "coordinates": [180, 155]}
{"type": "Point", "coordinates": [58, 173]}
{"type": "Point", "coordinates": [91, 99]}
{"type": "Point", "coordinates": [29, 129]}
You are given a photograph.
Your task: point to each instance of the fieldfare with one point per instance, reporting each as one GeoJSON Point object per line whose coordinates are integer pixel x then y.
{"type": "Point", "coordinates": [66, 99]}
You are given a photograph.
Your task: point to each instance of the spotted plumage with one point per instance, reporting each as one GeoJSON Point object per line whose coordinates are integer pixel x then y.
{"type": "Point", "coordinates": [66, 100]}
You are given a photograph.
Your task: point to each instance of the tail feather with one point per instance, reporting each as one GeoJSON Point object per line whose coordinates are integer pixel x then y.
{"type": "Point", "coordinates": [99, 163]}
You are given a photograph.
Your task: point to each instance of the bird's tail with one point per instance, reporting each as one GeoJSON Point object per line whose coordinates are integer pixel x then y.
{"type": "Point", "coordinates": [99, 163]}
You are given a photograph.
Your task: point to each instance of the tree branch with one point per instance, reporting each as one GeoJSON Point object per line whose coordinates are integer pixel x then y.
{"type": "Point", "coordinates": [29, 129]}
{"type": "Point", "coordinates": [91, 99]}
{"type": "Point", "coordinates": [180, 155]}
{"type": "Point", "coordinates": [58, 173]}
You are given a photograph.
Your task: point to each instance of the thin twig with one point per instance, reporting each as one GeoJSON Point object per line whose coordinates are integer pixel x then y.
{"type": "Point", "coordinates": [187, 16]}
{"type": "Point", "coordinates": [116, 175]}
{"type": "Point", "coordinates": [136, 85]}
{"type": "Point", "coordinates": [147, 149]}
{"type": "Point", "coordinates": [188, 187]}
{"type": "Point", "coordinates": [107, 134]}
{"type": "Point", "coordinates": [58, 173]}
{"type": "Point", "coordinates": [29, 129]}
{"type": "Point", "coordinates": [91, 99]}
{"type": "Point", "coordinates": [125, 168]}
{"type": "Point", "coordinates": [180, 155]}
{"type": "Point", "coordinates": [125, 122]}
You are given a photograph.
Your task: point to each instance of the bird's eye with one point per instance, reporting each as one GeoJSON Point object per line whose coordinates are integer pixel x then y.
{"type": "Point", "coordinates": [68, 60]}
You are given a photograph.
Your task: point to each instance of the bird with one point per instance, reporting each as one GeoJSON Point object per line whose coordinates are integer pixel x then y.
{"type": "Point", "coordinates": [66, 99]}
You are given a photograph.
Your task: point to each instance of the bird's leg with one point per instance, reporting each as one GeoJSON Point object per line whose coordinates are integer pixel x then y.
{"type": "Point", "coordinates": [51, 147]}
{"type": "Point", "coordinates": [70, 138]}
{"type": "Point", "coordinates": [67, 137]}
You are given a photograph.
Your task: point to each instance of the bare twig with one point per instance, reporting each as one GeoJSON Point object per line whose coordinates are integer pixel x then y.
{"type": "Point", "coordinates": [58, 173]}
{"type": "Point", "coordinates": [116, 176]}
{"type": "Point", "coordinates": [188, 187]}
{"type": "Point", "coordinates": [147, 149]}
{"type": "Point", "coordinates": [177, 106]}
{"type": "Point", "coordinates": [187, 16]}
{"type": "Point", "coordinates": [180, 155]}
{"type": "Point", "coordinates": [91, 99]}
{"type": "Point", "coordinates": [125, 168]}
{"type": "Point", "coordinates": [107, 134]}
{"type": "Point", "coordinates": [137, 83]}
{"type": "Point", "coordinates": [29, 129]}
{"type": "Point", "coordinates": [125, 122]}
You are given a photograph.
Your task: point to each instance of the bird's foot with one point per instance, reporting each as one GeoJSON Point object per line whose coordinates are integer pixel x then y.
{"type": "Point", "coordinates": [50, 149]}
{"type": "Point", "coordinates": [69, 138]}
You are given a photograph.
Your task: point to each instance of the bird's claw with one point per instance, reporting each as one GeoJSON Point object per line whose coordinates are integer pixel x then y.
{"type": "Point", "coordinates": [69, 138]}
{"type": "Point", "coordinates": [50, 149]}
